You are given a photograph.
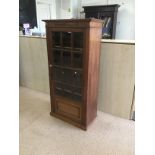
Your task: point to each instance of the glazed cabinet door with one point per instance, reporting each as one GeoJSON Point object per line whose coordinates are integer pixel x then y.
{"type": "Point", "coordinates": [66, 59]}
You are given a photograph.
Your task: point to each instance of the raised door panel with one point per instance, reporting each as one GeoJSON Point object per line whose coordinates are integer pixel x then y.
{"type": "Point", "coordinates": [68, 109]}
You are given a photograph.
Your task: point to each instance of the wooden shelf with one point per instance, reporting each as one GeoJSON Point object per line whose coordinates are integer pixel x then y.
{"type": "Point", "coordinates": [75, 50]}
{"type": "Point", "coordinates": [68, 84]}
{"type": "Point", "coordinates": [71, 68]}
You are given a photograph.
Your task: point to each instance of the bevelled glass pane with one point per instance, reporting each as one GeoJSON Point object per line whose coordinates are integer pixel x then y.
{"type": "Point", "coordinates": [78, 39]}
{"type": "Point", "coordinates": [57, 57]}
{"type": "Point", "coordinates": [77, 60]}
{"type": "Point", "coordinates": [67, 58]}
{"type": "Point", "coordinates": [56, 38]}
{"type": "Point", "coordinates": [66, 39]}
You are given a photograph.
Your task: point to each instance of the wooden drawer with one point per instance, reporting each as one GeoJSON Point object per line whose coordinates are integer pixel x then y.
{"type": "Point", "coordinates": [68, 109]}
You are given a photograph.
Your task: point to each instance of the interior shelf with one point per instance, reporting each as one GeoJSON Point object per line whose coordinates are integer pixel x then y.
{"type": "Point", "coordinates": [68, 91]}
{"type": "Point", "coordinates": [59, 48]}
{"type": "Point", "coordinates": [70, 68]}
{"type": "Point", "coordinates": [68, 84]}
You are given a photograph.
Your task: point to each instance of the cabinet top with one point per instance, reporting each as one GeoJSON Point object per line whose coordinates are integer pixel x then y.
{"type": "Point", "coordinates": [107, 6]}
{"type": "Point", "coordinates": [78, 23]}
{"type": "Point", "coordinates": [74, 20]}
{"type": "Point", "coordinates": [101, 8]}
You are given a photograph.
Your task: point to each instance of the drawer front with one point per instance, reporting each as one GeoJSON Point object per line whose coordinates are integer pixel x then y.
{"type": "Point", "coordinates": [69, 110]}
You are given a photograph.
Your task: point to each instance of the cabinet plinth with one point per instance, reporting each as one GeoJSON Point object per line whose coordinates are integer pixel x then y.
{"type": "Point", "coordinates": [73, 59]}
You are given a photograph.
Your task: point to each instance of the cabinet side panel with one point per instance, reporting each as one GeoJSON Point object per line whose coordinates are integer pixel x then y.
{"type": "Point", "coordinates": [49, 49]}
{"type": "Point", "coordinates": [93, 73]}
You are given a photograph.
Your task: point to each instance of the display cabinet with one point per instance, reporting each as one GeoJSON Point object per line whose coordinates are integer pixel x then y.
{"type": "Point", "coordinates": [73, 57]}
{"type": "Point", "coordinates": [108, 13]}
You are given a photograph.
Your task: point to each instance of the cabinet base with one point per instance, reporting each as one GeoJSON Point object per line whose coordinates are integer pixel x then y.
{"type": "Point", "coordinates": [69, 121]}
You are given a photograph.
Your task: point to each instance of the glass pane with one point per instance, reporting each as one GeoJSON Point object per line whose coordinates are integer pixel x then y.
{"type": "Point", "coordinates": [57, 57]}
{"type": "Point", "coordinates": [68, 91]}
{"type": "Point", "coordinates": [78, 40]}
{"type": "Point", "coordinates": [58, 89]}
{"type": "Point", "coordinates": [67, 88]}
{"type": "Point", "coordinates": [63, 90]}
{"type": "Point", "coordinates": [66, 58]}
{"type": "Point", "coordinates": [67, 76]}
{"type": "Point", "coordinates": [56, 38]}
{"type": "Point", "coordinates": [67, 94]}
{"type": "Point", "coordinates": [59, 85]}
{"type": "Point", "coordinates": [107, 29]}
{"type": "Point", "coordinates": [77, 94]}
{"type": "Point", "coordinates": [57, 74]}
{"type": "Point", "coordinates": [58, 92]}
{"type": "Point", "coordinates": [66, 38]}
{"type": "Point", "coordinates": [77, 60]}
{"type": "Point", "coordinates": [77, 81]}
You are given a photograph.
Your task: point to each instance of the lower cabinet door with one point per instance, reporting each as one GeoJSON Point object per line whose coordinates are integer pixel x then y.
{"type": "Point", "coordinates": [68, 109]}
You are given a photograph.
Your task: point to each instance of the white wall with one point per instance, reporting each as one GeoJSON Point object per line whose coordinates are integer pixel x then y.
{"type": "Point", "coordinates": [125, 28]}
{"type": "Point", "coordinates": [46, 9]}
{"type": "Point", "coordinates": [58, 12]}
{"type": "Point", "coordinates": [66, 9]}
{"type": "Point", "coordinates": [116, 81]}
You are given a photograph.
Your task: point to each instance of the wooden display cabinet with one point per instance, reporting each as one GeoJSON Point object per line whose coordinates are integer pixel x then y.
{"type": "Point", "coordinates": [108, 13]}
{"type": "Point", "coordinates": [73, 57]}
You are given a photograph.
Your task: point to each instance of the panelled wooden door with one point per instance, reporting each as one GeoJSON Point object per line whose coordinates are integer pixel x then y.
{"type": "Point", "coordinates": [66, 62]}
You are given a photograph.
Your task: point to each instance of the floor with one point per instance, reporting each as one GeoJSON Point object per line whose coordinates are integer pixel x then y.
{"type": "Point", "coordinates": [41, 134]}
